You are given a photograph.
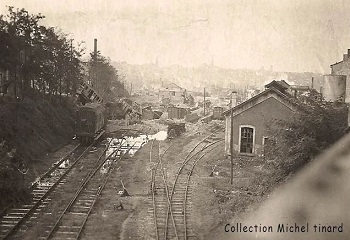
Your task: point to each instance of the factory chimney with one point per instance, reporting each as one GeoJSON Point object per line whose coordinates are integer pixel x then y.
{"type": "Point", "coordinates": [95, 49]}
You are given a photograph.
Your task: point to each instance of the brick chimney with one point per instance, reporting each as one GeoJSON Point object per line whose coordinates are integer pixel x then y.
{"type": "Point", "coordinates": [95, 49]}
{"type": "Point", "coordinates": [234, 99]}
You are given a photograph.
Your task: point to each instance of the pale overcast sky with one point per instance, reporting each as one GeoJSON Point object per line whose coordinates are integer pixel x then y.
{"type": "Point", "coordinates": [290, 35]}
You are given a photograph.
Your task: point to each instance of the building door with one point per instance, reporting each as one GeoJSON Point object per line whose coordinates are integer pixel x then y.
{"type": "Point", "coordinates": [247, 140]}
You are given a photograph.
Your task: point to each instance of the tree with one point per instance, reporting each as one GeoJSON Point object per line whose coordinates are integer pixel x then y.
{"type": "Point", "coordinates": [39, 58]}
{"type": "Point", "coordinates": [315, 127]}
{"type": "Point", "coordinates": [22, 32]}
{"type": "Point", "coordinates": [104, 77]}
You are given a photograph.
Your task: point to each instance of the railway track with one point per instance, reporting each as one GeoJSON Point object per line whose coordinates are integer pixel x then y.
{"type": "Point", "coordinates": [16, 217]}
{"type": "Point", "coordinates": [19, 218]}
{"type": "Point", "coordinates": [71, 222]}
{"type": "Point", "coordinates": [160, 192]}
{"type": "Point", "coordinates": [175, 205]}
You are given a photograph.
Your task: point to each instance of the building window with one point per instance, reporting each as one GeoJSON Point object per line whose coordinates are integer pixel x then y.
{"type": "Point", "coordinates": [246, 139]}
{"type": "Point", "coordinates": [172, 93]}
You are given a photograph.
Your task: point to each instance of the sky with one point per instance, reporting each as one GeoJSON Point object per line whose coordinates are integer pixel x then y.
{"type": "Point", "coordinates": [289, 35]}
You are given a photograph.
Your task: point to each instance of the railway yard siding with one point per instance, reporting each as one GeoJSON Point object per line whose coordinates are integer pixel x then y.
{"type": "Point", "coordinates": [202, 198]}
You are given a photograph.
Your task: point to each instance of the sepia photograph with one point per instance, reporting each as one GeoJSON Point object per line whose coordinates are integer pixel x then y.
{"type": "Point", "coordinates": [174, 119]}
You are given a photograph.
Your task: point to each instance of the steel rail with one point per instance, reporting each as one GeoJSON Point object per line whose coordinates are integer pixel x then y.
{"type": "Point", "coordinates": [188, 183]}
{"type": "Point", "coordinates": [97, 166]}
{"type": "Point", "coordinates": [105, 180]}
{"type": "Point", "coordinates": [50, 189]}
{"type": "Point", "coordinates": [87, 178]}
{"type": "Point", "coordinates": [184, 163]}
{"type": "Point", "coordinates": [55, 166]}
{"type": "Point", "coordinates": [49, 171]}
{"type": "Point", "coordinates": [153, 192]}
{"type": "Point", "coordinates": [163, 175]}
{"type": "Point", "coordinates": [172, 190]}
{"type": "Point", "coordinates": [167, 194]}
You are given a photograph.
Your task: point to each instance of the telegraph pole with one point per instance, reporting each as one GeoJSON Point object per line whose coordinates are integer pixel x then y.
{"type": "Point", "coordinates": [204, 102]}
{"type": "Point", "coordinates": [231, 136]}
{"type": "Point", "coordinates": [94, 68]}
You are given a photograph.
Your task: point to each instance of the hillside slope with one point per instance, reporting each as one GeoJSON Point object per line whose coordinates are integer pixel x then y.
{"type": "Point", "coordinates": [29, 130]}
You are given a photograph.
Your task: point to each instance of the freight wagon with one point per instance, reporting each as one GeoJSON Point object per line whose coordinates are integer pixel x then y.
{"type": "Point", "coordinates": [177, 112]}
{"type": "Point", "coordinates": [217, 113]}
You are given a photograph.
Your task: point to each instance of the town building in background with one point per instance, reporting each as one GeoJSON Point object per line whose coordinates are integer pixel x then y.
{"type": "Point", "coordinates": [172, 94]}
{"type": "Point", "coordinates": [340, 68]}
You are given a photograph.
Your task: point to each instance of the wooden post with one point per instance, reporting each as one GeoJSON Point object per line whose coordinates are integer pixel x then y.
{"type": "Point", "coordinates": [204, 104]}
{"type": "Point", "coordinates": [231, 141]}
{"type": "Point", "coordinates": [231, 135]}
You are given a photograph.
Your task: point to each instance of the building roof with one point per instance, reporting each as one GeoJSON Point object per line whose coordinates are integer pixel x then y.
{"type": "Point", "coordinates": [172, 85]}
{"type": "Point", "coordinates": [284, 97]}
{"type": "Point", "coordinates": [280, 85]}
{"type": "Point", "coordinates": [336, 63]}
{"type": "Point", "coordinates": [300, 87]}
{"type": "Point", "coordinates": [345, 59]}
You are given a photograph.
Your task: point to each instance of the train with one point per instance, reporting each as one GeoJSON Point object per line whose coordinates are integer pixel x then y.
{"type": "Point", "coordinates": [90, 121]}
{"type": "Point", "coordinates": [91, 118]}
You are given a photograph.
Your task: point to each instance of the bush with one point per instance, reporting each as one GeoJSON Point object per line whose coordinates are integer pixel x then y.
{"type": "Point", "coordinates": [316, 126]}
{"type": "Point", "coordinates": [12, 184]}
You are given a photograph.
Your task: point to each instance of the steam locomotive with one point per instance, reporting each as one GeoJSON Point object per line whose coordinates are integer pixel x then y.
{"type": "Point", "coordinates": [90, 121]}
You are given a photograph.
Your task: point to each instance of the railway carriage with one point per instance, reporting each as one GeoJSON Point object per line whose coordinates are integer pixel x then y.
{"type": "Point", "coordinates": [90, 121]}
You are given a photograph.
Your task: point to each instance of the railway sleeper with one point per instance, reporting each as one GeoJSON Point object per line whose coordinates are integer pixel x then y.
{"type": "Point", "coordinates": [78, 213]}
{"type": "Point", "coordinates": [38, 197]}
{"type": "Point", "coordinates": [20, 209]}
{"type": "Point", "coordinates": [194, 237]}
{"type": "Point", "coordinates": [90, 191]}
{"type": "Point", "coordinates": [88, 198]}
{"type": "Point", "coordinates": [39, 190]}
{"type": "Point", "coordinates": [80, 210]}
{"type": "Point", "coordinates": [178, 199]}
{"type": "Point", "coordinates": [81, 207]}
{"type": "Point", "coordinates": [161, 220]}
{"type": "Point", "coordinates": [181, 188]}
{"type": "Point", "coordinates": [68, 229]}
{"type": "Point", "coordinates": [178, 213]}
{"type": "Point", "coordinates": [3, 221]}
{"type": "Point", "coordinates": [18, 214]}
{"type": "Point", "coordinates": [8, 225]}
{"type": "Point", "coordinates": [41, 206]}
{"type": "Point", "coordinates": [161, 211]}
{"type": "Point", "coordinates": [65, 234]}
{"type": "Point", "coordinates": [29, 206]}
{"type": "Point", "coordinates": [83, 203]}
